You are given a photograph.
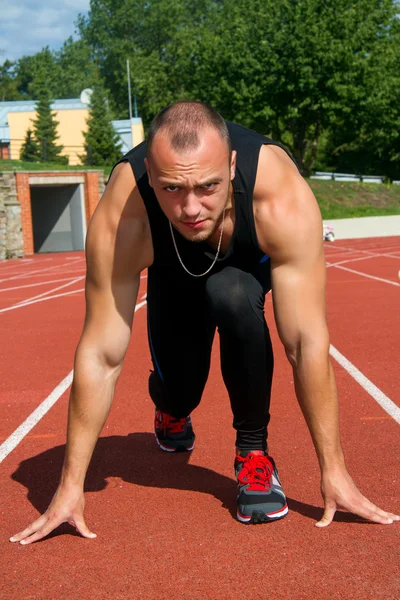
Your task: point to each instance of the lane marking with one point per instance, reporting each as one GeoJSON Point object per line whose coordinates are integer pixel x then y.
{"type": "Point", "coordinates": [60, 287]}
{"type": "Point", "coordinates": [22, 431]}
{"type": "Point", "coordinates": [31, 273]}
{"type": "Point", "coordinates": [341, 262]}
{"type": "Point", "coordinates": [41, 300]}
{"type": "Point", "coordinates": [9, 265]}
{"type": "Point", "coordinates": [34, 418]}
{"type": "Point", "coordinates": [366, 275]}
{"type": "Point", "coordinates": [28, 285]}
{"type": "Point", "coordinates": [379, 249]}
{"type": "Point", "coordinates": [390, 407]}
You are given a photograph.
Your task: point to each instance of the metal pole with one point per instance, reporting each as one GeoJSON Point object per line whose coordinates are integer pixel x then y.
{"type": "Point", "coordinates": [129, 89]}
{"type": "Point", "coordinates": [135, 106]}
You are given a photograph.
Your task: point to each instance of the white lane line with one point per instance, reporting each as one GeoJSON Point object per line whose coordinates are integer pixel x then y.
{"type": "Point", "coordinates": [30, 273]}
{"type": "Point", "coordinates": [29, 285]}
{"type": "Point", "coordinates": [347, 260]}
{"type": "Point", "coordinates": [390, 407]}
{"type": "Point", "coordinates": [64, 271]}
{"type": "Point", "coordinates": [366, 275]}
{"type": "Point", "coordinates": [342, 262]}
{"type": "Point", "coordinates": [18, 435]}
{"type": "Point", "coordinates": [45, 273]}
{"type": "Point", "coordinates": [47, 292]}
{"type": "Point", "coordinates": [10, 264]}
{"type": "Point", "coordinates": [41, 300]}
{"type": "Point", "coordinates": [29, 423]}
{"type": "Point", "coordinates": [373, 249]}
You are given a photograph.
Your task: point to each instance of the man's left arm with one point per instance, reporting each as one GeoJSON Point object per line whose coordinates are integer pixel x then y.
{"type": "Point", "coordinates": [289, 229]}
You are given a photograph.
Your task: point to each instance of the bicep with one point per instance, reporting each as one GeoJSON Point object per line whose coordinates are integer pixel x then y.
{"type": "Point", "coordinates": [298, 266]}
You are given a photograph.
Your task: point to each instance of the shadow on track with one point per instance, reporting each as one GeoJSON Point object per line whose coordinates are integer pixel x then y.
{"type": "Point", "coordinates": [136, 459]}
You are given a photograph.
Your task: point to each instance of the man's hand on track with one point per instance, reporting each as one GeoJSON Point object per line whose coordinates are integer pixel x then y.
{"type": "Point", "coordinates": [339, 491]}
{"type": "Point", "coordinates": [67, 506]}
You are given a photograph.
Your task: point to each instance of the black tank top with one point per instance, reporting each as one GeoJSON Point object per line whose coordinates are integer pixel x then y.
{"type": "Point", "coordinates": [244, 251]}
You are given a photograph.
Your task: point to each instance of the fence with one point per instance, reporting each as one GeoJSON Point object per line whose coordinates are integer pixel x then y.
{"type": "Point", "coordinates": [350, 177]}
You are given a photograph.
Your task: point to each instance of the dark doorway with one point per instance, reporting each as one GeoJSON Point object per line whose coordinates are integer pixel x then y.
{"type": "Point", "coordinates": [57, 218]}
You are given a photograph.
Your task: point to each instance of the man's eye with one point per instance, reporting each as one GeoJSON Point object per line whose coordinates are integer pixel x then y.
{"type": "Point", "coordinates": [171, 188]}
{"type": "Point", "coordinates": [208, 186]}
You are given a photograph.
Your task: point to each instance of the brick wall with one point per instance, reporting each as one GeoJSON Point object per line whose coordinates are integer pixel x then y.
{"type": "Point", "coordinates": [4, 151]}
{"type": "Point", "coordinates": [23, 195]}
{"type": "Point", "coordinates": [92, 192]}
{"type": "Point", "coordinates": [11, 240]}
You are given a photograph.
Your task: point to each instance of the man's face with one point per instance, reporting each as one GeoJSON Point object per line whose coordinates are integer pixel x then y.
{"type": "Point", "coordinates": [192, 187]}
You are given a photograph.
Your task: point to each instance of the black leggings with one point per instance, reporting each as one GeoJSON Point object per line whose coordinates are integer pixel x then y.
{"type": "Point", "coordinates": [183, 314]}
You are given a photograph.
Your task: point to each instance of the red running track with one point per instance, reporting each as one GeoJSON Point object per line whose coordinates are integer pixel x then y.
{"type": "Point", "coordinates": [166, 524]}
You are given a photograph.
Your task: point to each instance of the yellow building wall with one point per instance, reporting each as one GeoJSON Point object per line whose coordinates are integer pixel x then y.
{"type": "Point", "coordinates": [137, 133]}
{"type": "Point", "coordinates": [71, 123]}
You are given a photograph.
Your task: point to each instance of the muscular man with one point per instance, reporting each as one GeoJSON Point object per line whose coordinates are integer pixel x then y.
{"type": "Point", "coordinates": [218, 215]}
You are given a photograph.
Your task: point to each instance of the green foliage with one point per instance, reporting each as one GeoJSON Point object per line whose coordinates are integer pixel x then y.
{"type": "Point", "coordinates": [101, 141]}
{"type": "Point", "coordinates": [19, 165]}
{"type": "Point", "coordinates": [323, 78]}
{"type": "Point", "coordinates": [343, 200]}
{"type": "Point", "coordinates": [45, 130]}
{"type": "Point", "coordinates": [29, 149]}
{"type": "Point", "coordinates": [8, 84]}
{"type": "Point", "coordinates": [65, 72]}
{"type": "Point", "coordinates": [291, 69]}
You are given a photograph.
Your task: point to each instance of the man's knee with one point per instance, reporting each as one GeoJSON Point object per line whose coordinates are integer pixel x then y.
{"type": "Point", "coordinates": [234, 296]}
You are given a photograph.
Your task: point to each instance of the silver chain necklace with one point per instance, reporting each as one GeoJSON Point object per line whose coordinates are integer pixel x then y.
{"type": "Point", "coordinates": [216, 256]}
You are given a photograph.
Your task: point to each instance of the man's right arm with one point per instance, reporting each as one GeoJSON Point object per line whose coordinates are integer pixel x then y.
{"type": "Point", "coordinates": [118, 248]}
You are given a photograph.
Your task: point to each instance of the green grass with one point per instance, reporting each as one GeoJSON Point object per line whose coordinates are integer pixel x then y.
{"type": "Point", "coordinates": [345, 200]}
{"type": "Point", "coordinates": [20, 165]}
{"type": "Point", "coordinates": [336, 200]}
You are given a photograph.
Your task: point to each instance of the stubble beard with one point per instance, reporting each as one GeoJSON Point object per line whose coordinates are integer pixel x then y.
{"type": "Point", "coordinates": [206, 235]}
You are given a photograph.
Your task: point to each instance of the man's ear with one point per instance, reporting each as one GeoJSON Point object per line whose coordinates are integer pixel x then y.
{"type": "Point", "coordinates": [233, 164]}
{"type": "Point", "coordinates": [146, 164]}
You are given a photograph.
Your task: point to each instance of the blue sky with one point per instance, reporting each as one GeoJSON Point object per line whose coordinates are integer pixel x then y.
{"type": "Point", "coordinates": [26, 26]}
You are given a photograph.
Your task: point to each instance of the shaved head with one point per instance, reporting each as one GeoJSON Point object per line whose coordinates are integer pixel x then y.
{"type": "Point", "coordinates": [183, 122]}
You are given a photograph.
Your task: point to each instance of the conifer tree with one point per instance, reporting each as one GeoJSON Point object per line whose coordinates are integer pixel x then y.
{"type": "Point", "coordinates": [101, 142]}
{"type": "Point", "coordinates": [45, 131]}
{"type": "Point", "coordinates": [29, 149]}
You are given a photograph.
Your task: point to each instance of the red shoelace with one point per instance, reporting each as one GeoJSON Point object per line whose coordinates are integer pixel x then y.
{"type": "Point", "coordinates": [170, 424]}
{"type": "Point", "coordinates": [256, 472]}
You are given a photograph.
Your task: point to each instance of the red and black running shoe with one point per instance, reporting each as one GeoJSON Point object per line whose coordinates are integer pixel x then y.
{"type": "Point", "coordinates": [173, 435]}
{"type": "Point", "coordinates": [260, 495]}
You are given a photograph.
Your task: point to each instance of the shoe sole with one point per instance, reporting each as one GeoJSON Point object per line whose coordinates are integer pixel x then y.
{"type": "Point", "coordinates": [258, 516]}
{"type": "Point", "coordinates": [176, 449]}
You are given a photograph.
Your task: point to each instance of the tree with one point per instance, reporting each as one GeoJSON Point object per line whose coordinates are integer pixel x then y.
{"type": "Point", "coordinates": [36, 71]}
{"type": "Point", "coordinates": [78, 70]}
{"type": "Point", "coordinates": [29, 149]}
{"type": "Point", "coordinates": [369, 142]}
{"type": "Point", "coordinates": [66, 71]}
{"type": "Point", "coordinates": [8, 83]}
{"type": "Point", "coordinates": [45, 131]}
{"type": "Point", "coordinates": [101, 141]}
{"type": "Point", "coordinates": [307, 65]}
{"type": "Point", "coordinates": [292, 69]}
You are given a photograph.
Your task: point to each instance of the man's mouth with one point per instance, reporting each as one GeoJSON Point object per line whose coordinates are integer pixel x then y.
{"type": "Point", "coordinates": [194, 224]}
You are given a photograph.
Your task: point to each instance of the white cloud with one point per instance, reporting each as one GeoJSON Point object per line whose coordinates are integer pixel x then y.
{"type": "Point", "coordinates": [33, 24]}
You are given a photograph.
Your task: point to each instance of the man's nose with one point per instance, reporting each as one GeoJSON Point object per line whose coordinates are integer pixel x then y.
{"type": "Point", "coordinates": [192, 206]}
